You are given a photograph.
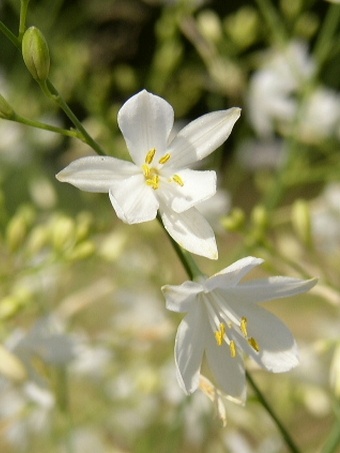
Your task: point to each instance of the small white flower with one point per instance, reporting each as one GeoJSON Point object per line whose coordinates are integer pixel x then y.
{"type": "Point", "coordinates": [159, 177]}
{"type": "Point", "coordinates": [224, 319]}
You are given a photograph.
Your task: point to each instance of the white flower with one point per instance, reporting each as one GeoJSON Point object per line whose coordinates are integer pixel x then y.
{"type": "Point", "coordinates": [224, 319]}
{"type": "Point", "coordinates": [271, 97]}
{"type": "Point", "coordinates": [159, 177]}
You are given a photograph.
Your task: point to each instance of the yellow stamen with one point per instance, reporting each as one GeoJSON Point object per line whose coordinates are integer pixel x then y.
{"type": "Point", "coordinates": [178, 179]}
{"type": "Point", "coordinates": [219, 334]}
{"type": "Point", "coordinates": [232, 347]}
{"type": "Point", "coordinates": [243, 326]}
{"type": "Point", "coordinates": [164, 159]}
{"type": "Point", "coordinates": [254, 344]}
{"type": "Point", "coordinates": [153, 182]}
{"type": "Point", "coordinates": [146, 170]}
{"type": "Point", "coordinates": [149, 157]}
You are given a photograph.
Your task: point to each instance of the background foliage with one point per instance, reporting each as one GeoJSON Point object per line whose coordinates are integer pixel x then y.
{"type": "Point", "coordinates": [86, 355]}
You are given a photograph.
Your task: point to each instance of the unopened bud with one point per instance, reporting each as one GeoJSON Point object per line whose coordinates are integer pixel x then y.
{"type": "Point", "coordinates": [259, 217]}
{"type": "Point", "coordinates": [82, 251]}
{"type": "Point", "coordinates": [234, 221]}
{"type": "Point", "coordinates": [36, 54]}
{"type": "Point", "coordinates": [63, 233]}
{"type": "Point", "coordinates": [6, 110]}
{"type": "Point", "coordinates": [16, 233]}
{"type": "Point", "coordinates": [302, 222]}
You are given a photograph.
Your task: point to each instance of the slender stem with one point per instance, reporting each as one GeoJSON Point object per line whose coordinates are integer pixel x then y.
{"type": "Point", "coordinates": [325, 41]}
{"type": "Point", "coordinates": [23, 17]}
{"type": "Point", "coordinates": [46, 127]}
{"type": "Point", "coordinates": [10, 35]}
{"type": "Point", "coordinates": [185, 257]}
{"type": "Point", "coordinates": [62, 393]}
{"type": "Point", "coordinates": [52, 93]}
{"type": "Point", "coordinates": [273, 20]}
{"type": "Point", "coordinates": [333, 440]}
{"type": "Point", "coordinates": [286, 436]}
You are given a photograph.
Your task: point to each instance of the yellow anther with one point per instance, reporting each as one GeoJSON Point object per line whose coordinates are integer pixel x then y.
{"type": "Point", "coordinates": [153, 182]}
{"type": "Point", "coordinates": [149, 157]}
{"type": "Point", "coordinates": [146, 170]}
{"type": "Point", "coordinates": [243, 326]}
{"type": "Point", "coordinates": [178, 179]}
{"type": "Point", "coordinates": [232, 347]}
{"type": "Point", "coordinates": [165, 158]}
{"type": "Point", "coordinates": [254, 344]}
{"type": "Point", "coordinates": [219, 334]}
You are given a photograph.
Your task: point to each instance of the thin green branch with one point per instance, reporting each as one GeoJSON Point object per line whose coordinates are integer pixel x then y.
{"type": "Point", "coordinates": [52, 93]}
{"type": "Point", "coordinates": [185, 257]}
{"type": "Point", "coordinates": [47, 127]}
{"type": "Point", "coordinates": [285, 435]}
{"type": "Point", "coordinates": [273, 21]}
{"type": "Point", "coordinates": [10, 35]}
{"type": "Point", "coordinates": [23, 18]}
{"type": "Point", "coordinates": [325, 41]}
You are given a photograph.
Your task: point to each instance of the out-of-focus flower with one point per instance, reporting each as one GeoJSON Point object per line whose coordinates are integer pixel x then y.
{"type": "Point", "coordinates": [321, 115]}
{"type": "Point", "coordinates": [159, 178]}
{"type": "Point", "coordinates": [325, 218]}
{"type": "Point", "coordinates": [25, 411]}
{"type": "Point", "coordinates": [224, 319]}
{"type": "Point", "coordinates": [47, 342]}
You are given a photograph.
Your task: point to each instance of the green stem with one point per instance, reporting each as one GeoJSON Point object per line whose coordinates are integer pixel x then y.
{"type": "Point", "coordinates": [52, 93]}
{"type": "Point", "coordinates": [325, 41]}
{"type": "Point", "coordinates": [46, 127]}
{"type": "Point", "coordinates": [286, 436]}
{"type": "Point", "coordinates": [333, 440]}
{"type": "Point", "coordinates": [23, 17]}
{"type": "Point", "coordinates": [62, 393]}
{"type": "Point", "coordinates": [272, 19]}
{"type": "Point", "coordinates": [184, 256]}
{"type": "Point", "coordinates": [10, 35]}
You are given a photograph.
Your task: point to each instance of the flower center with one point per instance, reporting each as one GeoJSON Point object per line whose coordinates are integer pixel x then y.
{"type": "Point", "coordinates": [152, 174]}
{"type": "Point", "coordinates": [223, 320]}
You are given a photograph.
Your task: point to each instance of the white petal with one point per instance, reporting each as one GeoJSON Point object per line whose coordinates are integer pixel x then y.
{"type": "Point", "coordinates": [278, 350]}
{"type": "Point", "coordinates": [261, 290]}
{"type": "Point", "coordinates": [181, 298]}
{"type": "Point", "coordinates": [191, 231]}
{"type": "Point", "coordinates": [201, 137]}
{"type": "Point", "coordinates": [133, 200]}
{"type": "Point", "coordinates": [189, 348]}
{"type": "Point", "coordinates": [228, 371]}
{"type": "Point", "coordinates": [231, 275]}
{"type": "Point", "coordinates": [198, 186]}
{"type": "Point", "coordinates": [145, 121]}
{"type": "Point", "coordinates": [96, 173]}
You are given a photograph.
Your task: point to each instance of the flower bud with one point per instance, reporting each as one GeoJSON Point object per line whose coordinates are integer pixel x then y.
{"type": "Point", "coordinates": [234, 221]}
{"type": "Point", "coordinates": [6, 110]}
{"type": "Point", "coordinates": [36, 54]}
{"type": "Point", "coordinates": [302, 222]}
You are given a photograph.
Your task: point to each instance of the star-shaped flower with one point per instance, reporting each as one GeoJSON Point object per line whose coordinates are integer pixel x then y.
{"type": "Point", "coordinates": [159, 179]}
{"type": "Point", "coordinates": [224, 319]}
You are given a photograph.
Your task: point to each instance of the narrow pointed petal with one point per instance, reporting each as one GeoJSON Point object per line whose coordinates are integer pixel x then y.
{"type": "Point", "coordinates": [197, 186]}
{"type": "Point", "coordinates": [191, 231]}
{"type": "Point", "coordinates": [231, 275]}
{"type": "Point", "coordinates": [96, 173]}
{"type": "Point", "coordinates": [228, 371]}
{"type": "Point", "coordinates": [181, 298]}
{"type": "Point", "coordinates": [278, 350]}
{"type": "Point", "coordinates": [202, 136]}
{"type": "Point", "coordinates": [261, 290]}
{"type": "Point", "coordinates": [189, 348]}
{"type": "Point", "coordinates": [145, 121]}
{"type": "Point", "coordinates": [133, 200]}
